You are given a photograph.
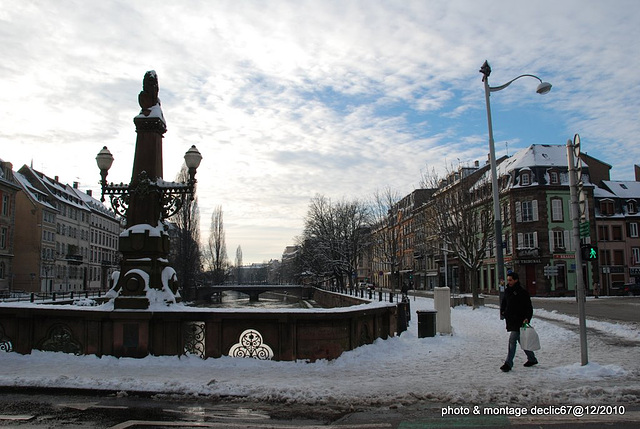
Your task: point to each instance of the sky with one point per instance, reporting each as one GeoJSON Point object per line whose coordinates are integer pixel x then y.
{"type": "Point", "coordinates": [461, 369]}
{"type": "Point", "coordinates": [287, 100]}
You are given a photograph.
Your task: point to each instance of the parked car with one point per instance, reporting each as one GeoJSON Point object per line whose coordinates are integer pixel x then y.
{"type": "Point", "coordinates": [628, 289]}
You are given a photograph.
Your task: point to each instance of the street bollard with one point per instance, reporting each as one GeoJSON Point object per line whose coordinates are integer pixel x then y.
{"type": "Point", "coordinates": [402, 317]}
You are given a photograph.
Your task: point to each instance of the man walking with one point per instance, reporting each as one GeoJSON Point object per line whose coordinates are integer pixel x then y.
{"type": "Point", "coordinates": [517, 310]}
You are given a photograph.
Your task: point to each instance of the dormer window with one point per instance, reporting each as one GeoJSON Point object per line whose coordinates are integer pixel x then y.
{"type": "Point", "coordinates": [525, 178]}
{"type": "Point", "coordinates": [632, 207]}
{"type": "Point", "coordinates": [607, 208]}
{"type": "Point", "coordinates": [554, 178]}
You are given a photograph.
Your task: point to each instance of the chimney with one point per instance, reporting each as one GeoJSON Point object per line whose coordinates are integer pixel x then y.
{"type": "Point", "coordinates": [75, 185]}
{"type": "Point", "coordinates": [90, 192]}
{"type": "Point", "coordinates": [477, 164]}
{"type": "Point", "coordinates": [56, 178]}
{"type": "Point", "coordinates": [637, 169]}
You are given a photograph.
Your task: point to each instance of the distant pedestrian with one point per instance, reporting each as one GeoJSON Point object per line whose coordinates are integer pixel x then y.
{"type": "Point", "coordinates": [596, 289]}
{"type": "Point", "coordinates": [516, 308]}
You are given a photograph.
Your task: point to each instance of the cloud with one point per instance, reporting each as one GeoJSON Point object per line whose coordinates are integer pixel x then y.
{"type": "Point", "coordinates": [289, 99]}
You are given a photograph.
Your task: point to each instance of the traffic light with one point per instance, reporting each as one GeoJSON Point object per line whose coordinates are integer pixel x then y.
{"type": "Point", "coordinates": [589, 253]}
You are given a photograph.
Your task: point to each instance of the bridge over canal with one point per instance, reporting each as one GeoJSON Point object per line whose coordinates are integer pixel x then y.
{"type": "Point", "coordinates": [204, 293]}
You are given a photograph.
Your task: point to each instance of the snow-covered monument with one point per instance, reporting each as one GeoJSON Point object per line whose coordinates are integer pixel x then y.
{"type": "Point", "coordinates": [145, 276]}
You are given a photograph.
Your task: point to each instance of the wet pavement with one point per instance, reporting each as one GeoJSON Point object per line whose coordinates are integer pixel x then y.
{"type": "Point", "coordinates": [22, 408]}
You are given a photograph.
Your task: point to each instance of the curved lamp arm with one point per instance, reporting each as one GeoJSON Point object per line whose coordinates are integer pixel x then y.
{"type": "Point", "coordinates": [543, 87]}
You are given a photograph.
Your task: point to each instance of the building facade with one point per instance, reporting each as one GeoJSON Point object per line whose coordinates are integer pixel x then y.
{"type": "Point", "coordinates": [104, 230]}
{"type": "Point", "coordinates": [8, 191]}
{"type": "Point", "coordinates": [35, 249]}
{"type": "Point", "coordinates": [66, 240]}
{"type": "Point", "coordinates": [537, 227]}
{"type": "Point", "coordinates": [618, 239]}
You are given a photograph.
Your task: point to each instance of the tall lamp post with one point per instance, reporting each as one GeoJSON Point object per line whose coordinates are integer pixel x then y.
{"type": "Point", "coordinates": [145, 203]}
{"type": "Point", "coordinates": [543, 88]}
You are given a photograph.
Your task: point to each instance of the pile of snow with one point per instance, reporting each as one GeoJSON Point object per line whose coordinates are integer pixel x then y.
{"type": "Point", "coordinates": [462, 368]}
{"type": "Point", "coordinates": [84, 302]}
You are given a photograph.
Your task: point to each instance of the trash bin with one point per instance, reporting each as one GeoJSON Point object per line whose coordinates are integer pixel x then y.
{"type": "Point", "coordinates": [403, 323]}
{"type": "Point", "coordinates": [426, 323]}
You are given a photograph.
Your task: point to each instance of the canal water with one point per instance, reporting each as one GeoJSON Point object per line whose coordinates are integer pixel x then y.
{"type": "Point", "coordinates": [232, 299]}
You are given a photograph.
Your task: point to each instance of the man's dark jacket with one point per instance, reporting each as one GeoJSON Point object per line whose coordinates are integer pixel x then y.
{"type": "Point", "coordinates": [516, 306]}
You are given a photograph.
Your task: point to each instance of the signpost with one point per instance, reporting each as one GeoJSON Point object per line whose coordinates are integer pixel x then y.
{"type": "Point", "coordinates": [550, 270]}
{"type": "Point", "coordinates": [573, 151]}
{"type": "Point", "coordinates": [585, 228]}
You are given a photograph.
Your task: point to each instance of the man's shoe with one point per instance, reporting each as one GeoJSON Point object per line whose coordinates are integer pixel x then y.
{"type": "Point", "coordinates": [505, 368]}
{"type": "Point", "coordinates": [530, 363]}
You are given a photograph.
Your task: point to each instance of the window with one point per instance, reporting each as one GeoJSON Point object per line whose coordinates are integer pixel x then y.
{"type": "Point", "coordinates": [506, 243]}
{"type": "Point", "coordinates": [631, 207]}
{"type": "Point", "coordinates": [526, 211]}
{"type": "Point", "coordinates": [556, 210]}
{"type": "Point", "coordinates": [603, 233]}
{"type": "Point", "coordinates": [2, 270]}
{"type": "Point", "coordinates": [559, 240]}
{"type": "Point", "coordinates": [525, 179]}
{"type": "Point", "coordinates": [635, 251]}
{"type": "Point", "coordinates": [3, 237]}
{"type": "Point", "coordinates": [528, 240]}
{"type": "Point", "coordinates": [633, 229]}
{"type": "Point", "coordinates": [616, 233]}
{"type": "Point", "coordinates": [506, 214]}
{"type": "Point", "coordinates": [618, 257]}
{"type": "Point", "coordinates": [554, 178]}
{"type": "Point", "coordinates": [5, 205]}
{"type": "Point", "coordinates": [607, 207]}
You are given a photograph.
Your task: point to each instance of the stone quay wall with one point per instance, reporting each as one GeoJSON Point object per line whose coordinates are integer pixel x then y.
{"type": "Point", "coordinates": [275, 334]}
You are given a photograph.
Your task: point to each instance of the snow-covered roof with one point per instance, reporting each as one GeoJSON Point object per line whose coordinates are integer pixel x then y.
{"type": "Point", "coordinates": [33, 193]}
{"type": "Point", "coordinates": [599, 192]}
{"type": "Point", "coordinates": [59, 191]}
{"type": "Point", "coordinates": [623, 189]}
{"type": "Point", "coordinates": [92, 203]}
{"type": "Point", "coordinates": [536, 155]}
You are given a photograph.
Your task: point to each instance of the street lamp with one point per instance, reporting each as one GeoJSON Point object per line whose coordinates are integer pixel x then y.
{"type": "Point", "coordinates": [542, 88]}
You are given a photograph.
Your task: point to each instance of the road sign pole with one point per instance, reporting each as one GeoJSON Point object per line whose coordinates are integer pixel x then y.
{"type": "Point", "coordinates": [575, 215]}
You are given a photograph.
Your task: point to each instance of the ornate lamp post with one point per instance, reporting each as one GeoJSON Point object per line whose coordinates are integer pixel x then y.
{"type": "Point", "coordinates": [542, 88]}
{"type": "Point", "coordinates": [145, 203]}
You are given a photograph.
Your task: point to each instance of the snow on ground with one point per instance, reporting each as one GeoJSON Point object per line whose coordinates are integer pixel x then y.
{"type": "Point", "coordinates": [462, 368]}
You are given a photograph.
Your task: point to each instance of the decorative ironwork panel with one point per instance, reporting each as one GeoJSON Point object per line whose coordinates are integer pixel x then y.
{"type": "Point", "coordinates": [5, 342]}
{"type": "Point", "coordinates": [194, 338]}
{"type": "Point", "coordinates": [365, 338]}
{"type": "Point", "coordinates": [250, 345]}
{"type": "Point", "coordinates": [60, 339]}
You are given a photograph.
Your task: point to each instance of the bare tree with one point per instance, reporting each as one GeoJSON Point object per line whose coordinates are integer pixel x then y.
{"type": "Point", "coordinates": [239, 264]}
{"type": "Point", "coordinates": [185, 254]}
{"type": "Point", "coordinates": [334, 235]}
{"type": "Point", "coordinates": [386, 235]}
{"type": "Point", "coordinates": [216, 250]}
{"type": "Point", "coordinates": [460, 215]}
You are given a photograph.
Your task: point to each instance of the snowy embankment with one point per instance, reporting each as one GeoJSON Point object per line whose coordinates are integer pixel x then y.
{"type": "Point", "coordinates": [462, 368]}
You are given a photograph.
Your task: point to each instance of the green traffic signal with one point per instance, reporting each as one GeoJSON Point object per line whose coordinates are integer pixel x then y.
{"type": "Point", "coordinates": [590, 253]}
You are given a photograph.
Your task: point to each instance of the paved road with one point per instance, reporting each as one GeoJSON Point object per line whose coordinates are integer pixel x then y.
{"type": "Point", "coordinates": [623, 309]}
{"type": "Point", "coordinates": [63, 409]}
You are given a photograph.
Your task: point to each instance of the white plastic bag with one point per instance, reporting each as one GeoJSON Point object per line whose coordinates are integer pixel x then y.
{"type": "Point", "coordinates": [529, 339]}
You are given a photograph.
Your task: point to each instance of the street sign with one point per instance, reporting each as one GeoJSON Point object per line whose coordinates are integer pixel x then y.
{"type": "Point", "coordinates": [550, 270]}
{"type": "Point", "coordinates": [585, 227]}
